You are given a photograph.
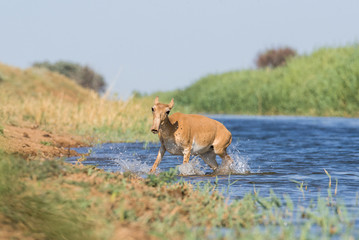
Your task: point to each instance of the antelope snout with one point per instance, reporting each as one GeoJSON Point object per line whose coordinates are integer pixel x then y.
{"type": "Point", "coordinates": [155, 125]}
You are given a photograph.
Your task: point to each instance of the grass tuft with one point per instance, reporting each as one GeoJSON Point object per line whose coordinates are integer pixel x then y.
{"type": "Point", "coordinates": [46, 143]}
{"type": "Point", "coordinates": [163, 178]}
{"type": "Point", "coordinates": [45, 214]}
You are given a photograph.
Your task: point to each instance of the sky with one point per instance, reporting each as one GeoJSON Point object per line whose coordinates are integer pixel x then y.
{"type": "Point", "coordinates": [153, 45]}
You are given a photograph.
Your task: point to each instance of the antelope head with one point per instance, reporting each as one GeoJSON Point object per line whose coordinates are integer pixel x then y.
{"type": "Point", "coordinates": [160, 112]}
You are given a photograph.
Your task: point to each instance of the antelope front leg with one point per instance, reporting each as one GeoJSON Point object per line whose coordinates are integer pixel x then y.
{"type": "Point", "coordinates": [160, 154]}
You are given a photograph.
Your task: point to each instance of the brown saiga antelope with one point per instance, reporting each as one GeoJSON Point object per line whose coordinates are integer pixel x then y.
{"type": "Point", "coordinates": [189, 134]}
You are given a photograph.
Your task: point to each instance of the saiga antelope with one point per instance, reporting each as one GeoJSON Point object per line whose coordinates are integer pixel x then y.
{"type": "Point", "coordinates": [189, 134]}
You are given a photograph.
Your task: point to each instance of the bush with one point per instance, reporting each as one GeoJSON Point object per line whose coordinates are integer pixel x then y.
{"type": "Point", "coordinates": [83, 75]}
{"type": "Point", "coordinates": [274, 57]}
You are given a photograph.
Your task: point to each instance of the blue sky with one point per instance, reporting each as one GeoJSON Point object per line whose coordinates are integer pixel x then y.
{"type": "Point", "coordinates": [152, 45]}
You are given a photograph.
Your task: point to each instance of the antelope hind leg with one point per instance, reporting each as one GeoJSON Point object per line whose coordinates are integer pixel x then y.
{"type": "Point", "coordinates": [225, 167]}
{"type": "Point", "coordinates": [210, 158]}
{"type": "Point", "coordinates": [226, 160]}
{"type": "Point", "coordinates": [186, 155]}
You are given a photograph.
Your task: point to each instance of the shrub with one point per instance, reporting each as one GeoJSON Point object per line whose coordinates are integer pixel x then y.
{"type": "Point", "coordinates": [83, 75]}
{"type": "Point", "coordinates": [274, 57]}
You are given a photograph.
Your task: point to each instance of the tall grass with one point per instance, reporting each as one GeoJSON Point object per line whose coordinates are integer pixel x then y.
{"type": "Point", "coordinates": [323, 83]}
{"type": "Point", "coordinates": [32, 208]}
{"type": "Point", "coordinates": [39, 98]}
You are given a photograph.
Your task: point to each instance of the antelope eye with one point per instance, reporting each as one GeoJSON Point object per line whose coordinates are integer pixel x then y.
{"type": "Point", "coordinates": [168, 112]}
{"type": "Point", "coordinates": [153, 109]}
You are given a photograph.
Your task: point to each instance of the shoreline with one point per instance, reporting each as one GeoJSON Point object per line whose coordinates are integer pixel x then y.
{"type": "Point", "coordinates": [34, 143]}
{"type": "Point", "coordinates": [124, 205]}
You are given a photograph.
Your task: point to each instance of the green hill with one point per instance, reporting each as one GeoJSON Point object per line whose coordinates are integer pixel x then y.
{"type": "Point", "coordinates": [323, 83]}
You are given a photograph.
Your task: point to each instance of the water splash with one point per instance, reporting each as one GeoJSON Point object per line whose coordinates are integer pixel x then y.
{"type": "Point", "coordinates": [239, 166]}
{"type": "Point", "coordinates": [137, 163]}
{"type": "Point", "coordinates": [193, 167]}
{"type": "Point", "coordinates": [133, 166]}
{"type": "Point", "coordinates": [132, 163]}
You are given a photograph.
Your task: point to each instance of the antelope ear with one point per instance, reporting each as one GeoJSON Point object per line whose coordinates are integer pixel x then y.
{"type": "Point", "coordinates": [156, 100]}
{"type": "Point", "coordinates": [172, 103]}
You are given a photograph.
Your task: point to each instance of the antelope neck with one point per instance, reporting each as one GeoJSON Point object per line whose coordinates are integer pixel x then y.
{"type": "Point", "coordinates": [167, 127]}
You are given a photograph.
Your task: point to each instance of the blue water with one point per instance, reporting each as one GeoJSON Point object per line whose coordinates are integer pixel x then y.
{"type": "Point", "coordinates": [275, 150]}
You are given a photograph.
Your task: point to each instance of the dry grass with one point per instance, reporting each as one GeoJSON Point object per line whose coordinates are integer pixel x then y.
{"type": "Point", "coordinates": [39, 98]}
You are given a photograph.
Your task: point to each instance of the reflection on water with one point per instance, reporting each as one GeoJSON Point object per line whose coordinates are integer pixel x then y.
{"type": "Point", "coordinates": [275, 153]}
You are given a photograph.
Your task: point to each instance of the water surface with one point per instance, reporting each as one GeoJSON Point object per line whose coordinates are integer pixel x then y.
{"type": "Point", "coordinates": [275, 150]}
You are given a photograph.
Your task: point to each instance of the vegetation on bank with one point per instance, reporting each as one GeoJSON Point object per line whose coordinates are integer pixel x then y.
{"type": "Point", "coordinates": [324, 83]}
{"type": "Point", "coordinates": [94, 204]}
{"type": "Point", "coordinates": [39, 98]}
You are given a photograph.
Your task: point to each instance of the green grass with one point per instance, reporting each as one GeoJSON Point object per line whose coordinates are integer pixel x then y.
{"type": "Point", "coordinates": [162, 179]}
{"type": "Point", "coordinates": [46, 143]}
{"type": "Point", "coordinates": [325, 82]}
{"type": "Point", "coordinates": [94, 204]}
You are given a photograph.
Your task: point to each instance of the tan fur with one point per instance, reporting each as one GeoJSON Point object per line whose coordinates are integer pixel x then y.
{"type": "Point", "coordinates": [189, 134]}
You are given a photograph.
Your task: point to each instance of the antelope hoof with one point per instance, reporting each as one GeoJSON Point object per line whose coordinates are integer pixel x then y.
{"type": "Point", "coordinates": [222, 170]}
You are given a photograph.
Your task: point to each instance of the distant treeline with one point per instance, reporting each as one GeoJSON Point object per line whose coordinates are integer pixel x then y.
{"type": "Point", "coordinates": [323, 83]}
{"type": "Point", "coordinates": [82, 75]}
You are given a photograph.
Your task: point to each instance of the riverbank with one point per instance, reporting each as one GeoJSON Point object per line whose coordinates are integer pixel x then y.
{"type": "Point", "coordinates": [33, 143]}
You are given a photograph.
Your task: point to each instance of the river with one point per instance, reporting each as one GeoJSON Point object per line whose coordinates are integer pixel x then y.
{"type": "Point", "coordinates": [285, 154]}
